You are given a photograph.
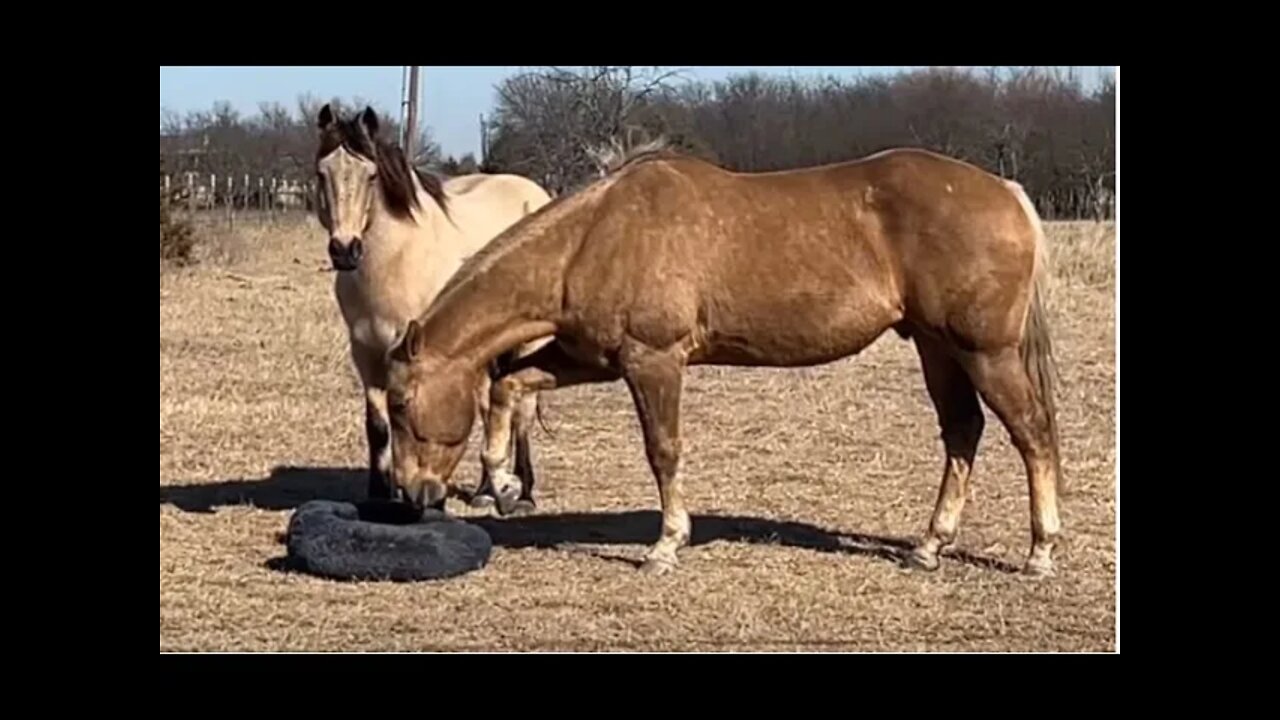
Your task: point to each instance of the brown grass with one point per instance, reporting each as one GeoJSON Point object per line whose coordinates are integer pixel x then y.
{"type": "Point", "coordinates": [802, 483]}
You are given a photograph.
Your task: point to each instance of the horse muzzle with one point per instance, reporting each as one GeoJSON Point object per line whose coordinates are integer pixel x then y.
{"type": "Point", "coordinates": [345, 256]}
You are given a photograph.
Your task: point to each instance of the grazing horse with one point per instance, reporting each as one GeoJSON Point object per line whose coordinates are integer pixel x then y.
{"type": "Point", "coordinates": [395, 236]}
{"type": "Point", "coordinates": [670, 261]}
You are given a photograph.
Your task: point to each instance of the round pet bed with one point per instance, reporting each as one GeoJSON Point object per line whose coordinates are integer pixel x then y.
{"type": "Point", "coordinates": [382, 540]}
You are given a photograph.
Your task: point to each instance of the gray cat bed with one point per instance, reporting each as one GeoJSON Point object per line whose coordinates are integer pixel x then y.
{"type": "Point", "coordinates": [382, 540]}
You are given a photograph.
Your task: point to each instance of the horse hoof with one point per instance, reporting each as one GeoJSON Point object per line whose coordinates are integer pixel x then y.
{"type": "Point", "coordinates": [481, 502]}
{"type": "Point", "coordinates": [523, 507]}
{"type": "Point", "coordinates": [656, 566]}
{"type": "Point", "coordinates": [1038, 570]}
{"type": "Point", "coordinates": [923, 560]}
{"type": "Point", "coordinates": [508, 504]}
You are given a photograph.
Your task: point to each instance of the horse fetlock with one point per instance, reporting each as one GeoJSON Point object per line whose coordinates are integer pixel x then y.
{"type": "Point", "coordinates": [493, 464]}
{"type": "Point", "coordinates": [504, 483]}
{"type": "Point", "coordinates": [1040, 560]}
{"type": "Point", "coordinates": [506, 492]}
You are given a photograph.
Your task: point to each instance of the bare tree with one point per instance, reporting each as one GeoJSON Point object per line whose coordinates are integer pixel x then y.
{"type": "Point", "coordinates": [546, 119]}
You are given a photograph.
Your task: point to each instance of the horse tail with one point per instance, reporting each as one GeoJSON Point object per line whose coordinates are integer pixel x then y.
{"type": "Point", "coordinates": [1037, 344]}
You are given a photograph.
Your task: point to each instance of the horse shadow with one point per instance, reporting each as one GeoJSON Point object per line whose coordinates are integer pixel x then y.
{"type": "Point", "coordinates": [288, 487]}
{"type": "Point", "coordinates": [285, 488]}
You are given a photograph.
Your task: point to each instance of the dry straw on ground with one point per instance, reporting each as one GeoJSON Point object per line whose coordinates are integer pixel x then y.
{"type": "Point", "coordinates": [802, 483]}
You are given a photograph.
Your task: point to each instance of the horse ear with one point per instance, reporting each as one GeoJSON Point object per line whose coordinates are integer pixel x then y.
{"type": "Point", "coordinates": [369, 119]}
{"type": "Point", "coordinates": [325, 118]}
{"type": "Point", "coordinates": [411, 335]}
{"type": "Point", "coordinates": [407, 347]}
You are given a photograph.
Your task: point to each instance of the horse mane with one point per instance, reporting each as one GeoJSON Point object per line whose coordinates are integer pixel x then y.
{"type": "Point", "coordinates": [394, 169]}
{"type": "Point", "coordinates": [614, 155]}
{"type": "Point", "coordinates": [611, 158]}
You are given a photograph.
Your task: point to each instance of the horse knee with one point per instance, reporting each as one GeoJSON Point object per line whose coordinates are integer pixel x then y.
{"type": "Point", "coordinates": [503, 392]}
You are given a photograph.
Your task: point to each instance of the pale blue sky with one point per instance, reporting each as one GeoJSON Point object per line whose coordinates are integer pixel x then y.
{"type": "Point", "coordinates": [452, 97]}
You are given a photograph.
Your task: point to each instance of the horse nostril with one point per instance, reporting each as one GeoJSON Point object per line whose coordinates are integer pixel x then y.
{"type": "Point", "coordinates": [335, 248]}
{"type": "Point", "coordinates": [357, 249]}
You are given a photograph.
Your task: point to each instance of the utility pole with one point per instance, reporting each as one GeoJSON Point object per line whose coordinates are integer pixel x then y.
{"type": "Point", "coordinates": [484, 142]}
{"type": "Point", "coordinates": [411, 123]}
{"type": "Point", "coordinates": [404, 97]}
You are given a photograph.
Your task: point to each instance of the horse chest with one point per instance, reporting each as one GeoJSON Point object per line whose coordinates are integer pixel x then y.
{"type": "Point", "coordinates": [375, 319]}
{"type": "Point", "coordinates": [375, 331]}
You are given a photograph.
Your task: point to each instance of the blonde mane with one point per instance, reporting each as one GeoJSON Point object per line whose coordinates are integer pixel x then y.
{"type": "Point", "coordinates": [614, 155]}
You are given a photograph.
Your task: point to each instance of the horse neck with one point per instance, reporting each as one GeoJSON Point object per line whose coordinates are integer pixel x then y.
{"type": "Point", "coordinates": [509, 293]}
{"type": "Point", "coordinates": [426, 235]}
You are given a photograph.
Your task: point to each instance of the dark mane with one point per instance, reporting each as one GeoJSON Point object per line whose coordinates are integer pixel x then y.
{"type": "Point", "coordinates": [393, 167]}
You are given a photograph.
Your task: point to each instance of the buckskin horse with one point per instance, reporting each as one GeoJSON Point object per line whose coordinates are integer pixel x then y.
{"type": "Point", "coordinates": [670, 261]}
{"type": "Point", "coordinates": [395, 236]}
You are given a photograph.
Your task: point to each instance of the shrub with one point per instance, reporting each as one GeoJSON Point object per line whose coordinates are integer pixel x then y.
{"type": "Point", "coordinates": [177, 237]}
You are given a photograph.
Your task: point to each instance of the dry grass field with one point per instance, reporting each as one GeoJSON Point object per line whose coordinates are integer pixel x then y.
{"type": "Point", "coordinates": [803, 484]}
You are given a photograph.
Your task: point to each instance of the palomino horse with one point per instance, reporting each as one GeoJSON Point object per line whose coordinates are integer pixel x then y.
{"type": "Point", "coordinates": [670, 261]}
{"type": "Point", "coordinates": [395, 236]}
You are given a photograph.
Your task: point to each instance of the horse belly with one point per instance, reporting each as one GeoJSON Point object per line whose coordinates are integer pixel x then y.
{"type": "Point", "coordinates": [796, 327]}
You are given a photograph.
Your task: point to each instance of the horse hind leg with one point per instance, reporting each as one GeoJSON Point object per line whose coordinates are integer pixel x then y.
{"type": "Point", "coordinates": [526, 414]}
{"type": "Point", "coordinates": [1008, 390]}
{"type": "Point", "coordinates": [484, 495]}
{"type": "Point", "coordinates": [961, 421]}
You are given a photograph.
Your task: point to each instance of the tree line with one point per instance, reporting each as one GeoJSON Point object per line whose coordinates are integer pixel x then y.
{"type": "Point", "coordinates": [1038, 126]}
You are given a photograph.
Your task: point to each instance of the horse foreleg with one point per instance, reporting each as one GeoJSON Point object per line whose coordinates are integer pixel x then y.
{"type": "Point", "coordinates": [377, 422]}
{"type": "Point", "coordinates": [483, 497]}
{"type": "Point", "coordinates": [526, 412]}
{"type": "Point", "coordinates": [515, 393]}
{"type": "Point", "coordinates": [498, 484]}
{"type": "Point", "coordinates": [655, 378]}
